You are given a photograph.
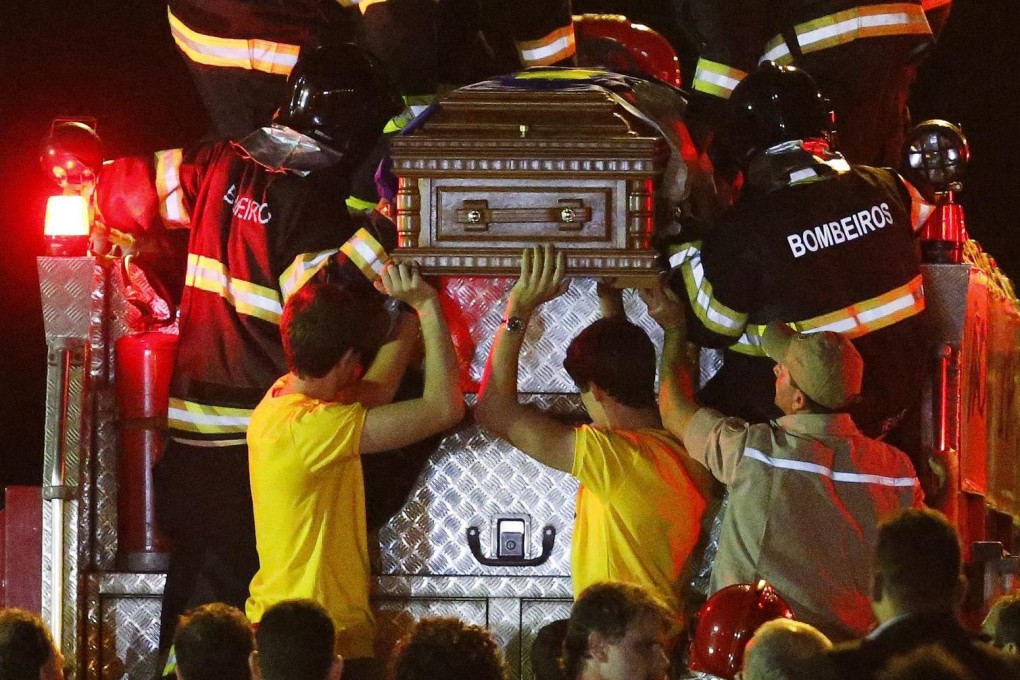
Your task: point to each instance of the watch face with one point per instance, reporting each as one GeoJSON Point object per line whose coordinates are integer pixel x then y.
{"type": "Point", "coordinates": [515, 324]}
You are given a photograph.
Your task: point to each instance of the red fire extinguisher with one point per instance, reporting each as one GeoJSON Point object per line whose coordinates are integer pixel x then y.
{"type": "Point", "coordinates": [144, 363]}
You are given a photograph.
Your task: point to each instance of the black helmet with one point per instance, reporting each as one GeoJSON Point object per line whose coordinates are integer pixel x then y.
{"type": "Point", "coordinates": [775, 104]}
{"type": "Point", "coordinates": [339, 95]}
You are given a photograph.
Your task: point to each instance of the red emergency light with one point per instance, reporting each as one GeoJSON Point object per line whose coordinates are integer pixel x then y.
{"type": "Point", "coordinates": [67, 225]}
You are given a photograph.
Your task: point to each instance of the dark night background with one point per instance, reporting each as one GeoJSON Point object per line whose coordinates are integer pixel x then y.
{"type": "Point", "coordinates": [114, 60]}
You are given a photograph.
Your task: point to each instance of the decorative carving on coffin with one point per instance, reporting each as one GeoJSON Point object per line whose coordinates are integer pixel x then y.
{"type": "Point", "coordinates": [493, 172]}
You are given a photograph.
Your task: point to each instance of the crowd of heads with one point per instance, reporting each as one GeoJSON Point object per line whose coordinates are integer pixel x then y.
{"type": "Point", "coordinates": [616, 631]}
{"type": "Point", "coordinates": [295, 640]}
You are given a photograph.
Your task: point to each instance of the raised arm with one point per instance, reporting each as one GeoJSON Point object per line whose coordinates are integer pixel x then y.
{"type": "Point", "coordinates": [676, 387]}
{"type": "Point", "coordinates": [442, 403]}
{"type": "Point", "coordinates": [610, 300]}
{"type": "Point", "coordinates": [382, 379]}
{"type": "Point", "coordinates": [498, 409]}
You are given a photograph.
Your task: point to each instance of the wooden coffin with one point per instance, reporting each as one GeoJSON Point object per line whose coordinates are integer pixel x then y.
{"type": "Point", "coordinates": [494, 171]}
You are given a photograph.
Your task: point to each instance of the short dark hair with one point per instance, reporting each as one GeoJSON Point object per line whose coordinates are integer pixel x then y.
{"type": "Point", "coordinates": [1007, 629]}
{"type": "Point", "coordinates": [607, 608]}
{"type": "Point", "coordinates": [619, 357]}
{"type": "Point", "coordinates": [446, 647]}
{"type": "Point", "coordinates": [322, 321]}
{"type": "Point", "coordinates": [296, 640]}
{"type": "Point", "coordinates": [918, 556]}
{"type": "Point", "coordinates": [25, 645]}
{"type": "Point", "coordinates": [213, 642]}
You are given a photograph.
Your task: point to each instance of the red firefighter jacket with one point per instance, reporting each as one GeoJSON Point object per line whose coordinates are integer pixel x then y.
{"type": "Point", "coordinates": [255, 237]}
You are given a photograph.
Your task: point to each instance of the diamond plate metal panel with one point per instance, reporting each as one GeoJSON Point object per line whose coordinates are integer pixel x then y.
{"type": "Point", "coordinates": [534, 615]}
{"type": "Point", "coordinates": [65, 283]}
{"type": "Point", "coordinates": [475, 308]}
{"type": "Point", "coordinates": [74, 292]}
{"type": "Point", "coordinates": [127, 643]}
{"type": "Point", "coordinates": [104, 543]}
{"type": "Point", "coordinates": [60, 530]}
{"type": "Point", "coordinates": [122, 625]}
{"type": "Point", "coordinates": [107, 308]}
{"type": "Point", "coordinates": [945, 293]}
{"type": "Point", "coordinates": [531, 587]}
{"type": "Point", "coordinates": [505, 626]}
{"type": "Point", "coordinates": [471, 479]}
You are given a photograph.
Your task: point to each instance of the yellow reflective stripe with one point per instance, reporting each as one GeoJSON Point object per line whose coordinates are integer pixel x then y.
{"type": "Point", "coordinates": [554, 47]}
{"type": "Point", "coordinates": [205, 273]}
{"type": "Point", "coordinates": [750, 342]}
{"type": "Point", "coordinates": [716, 79]}
{"type": "Point", "coordinates": [870, 315]}
{"type": "Point", "coordinates": [168, 188]}
{"type": "Point", "coordinates": [302, 269]}
{"type": "Point", "coordinates": [777, 51]}
{"type": "Point", "coordinates": [251, 54]}
{"type": "Point", "coordinates": [355, 203]}
{"type": "Point", "coordinates": [715, 316]}
{"type": "Point", "coordinates": [920, 208]}
{"type": "Point", "coordinates": [190, 416]}
{"type": "Point", "coordinates": [861, 22]}
{"type": "Point", "coordinates": [853, 321]}
{"type": "Point", "coordinates": [414, 105]}
{"type": "Point", "coordinates": [171, 662]}
{"type": "Point", "coordinates": [366, 252]}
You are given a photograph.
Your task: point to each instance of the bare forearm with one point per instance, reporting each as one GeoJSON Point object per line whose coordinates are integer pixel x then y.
{"type": "Point", "coordinates": [676, 400]}
{"type": "Point", "coordinates": [498, 394]}
{"type": "Point", "coordinates": [381, 381]}
{"type": "Point", "coordinates": [611, 303]}
{"type": "Point", "coordinates": [442, 393]}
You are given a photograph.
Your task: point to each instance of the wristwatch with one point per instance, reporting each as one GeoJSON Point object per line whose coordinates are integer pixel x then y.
{"type": "Point", "coordinates": [514, 324]}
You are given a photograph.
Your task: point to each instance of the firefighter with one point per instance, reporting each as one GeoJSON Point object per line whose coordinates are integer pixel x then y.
{"type": "Point", "coordinates": [240, 53]}
{"type": "Point", "coordinates": [264, 216]}
{"type": "Point", "coordinates": [862, 53]}
{"type": "Point", "coordinates": [814, 242]}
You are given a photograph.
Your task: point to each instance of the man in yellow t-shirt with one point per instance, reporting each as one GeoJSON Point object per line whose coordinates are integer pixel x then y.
{"type": "Point", "coordinates": [639, 508]}
{"type": "Point", "coordinates": [308, 433]}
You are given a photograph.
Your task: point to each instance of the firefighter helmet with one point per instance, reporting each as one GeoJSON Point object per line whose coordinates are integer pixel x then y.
{"type": "Point", "coordinates": [615, 42]}
{"type": "Point", "coordinates": [72, 152]}
{"type": "Point", "coordinates": [339, 95]}
{"type": "Point", "coordinates": [775, 104]}
{"type": "Point", "coordinates": [726, 622]}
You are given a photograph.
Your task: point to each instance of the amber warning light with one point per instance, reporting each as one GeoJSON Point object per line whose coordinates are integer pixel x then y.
{"type": "Point", "coordinates": [67, 225]}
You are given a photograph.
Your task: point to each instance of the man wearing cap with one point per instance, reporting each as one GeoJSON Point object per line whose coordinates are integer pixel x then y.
{"type": "Point", "coordinates": [806, 491]}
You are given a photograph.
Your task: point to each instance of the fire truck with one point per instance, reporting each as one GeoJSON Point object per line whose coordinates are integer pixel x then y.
{"type": "Point", "coordinates": [484, 533]}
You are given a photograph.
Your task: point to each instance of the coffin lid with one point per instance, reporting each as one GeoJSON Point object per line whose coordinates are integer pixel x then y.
{"type": "Point", "coordinates": [572, 114]}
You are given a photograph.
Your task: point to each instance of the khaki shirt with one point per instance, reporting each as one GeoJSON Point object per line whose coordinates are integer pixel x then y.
{"type": "Point", "coordinates": [806, 494]}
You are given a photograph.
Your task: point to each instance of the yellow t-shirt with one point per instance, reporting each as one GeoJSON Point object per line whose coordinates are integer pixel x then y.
{"type": "Point", "coordinates": [638, 511]}
{"type": "Point", "coordinates": [309, 501]}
